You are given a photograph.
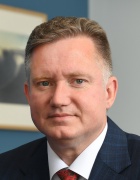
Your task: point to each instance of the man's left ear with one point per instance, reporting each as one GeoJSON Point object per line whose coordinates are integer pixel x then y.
{"type": "Point", "coordinates": [111, 91]}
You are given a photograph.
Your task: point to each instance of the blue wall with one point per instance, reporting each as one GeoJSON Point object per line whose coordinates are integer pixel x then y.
{"type": "Point", "coordinates": [11, 139]}
{"type": "Point", "coordinates": [52, 7]}
{"type": "Point", "coordinates": [79, 8]}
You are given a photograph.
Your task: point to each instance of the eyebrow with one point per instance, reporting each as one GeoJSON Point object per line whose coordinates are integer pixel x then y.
{"type": "Point", "coordinates": [40, 78]}
{"type": "Point", "coordinates": [69, 75]}
{"type": "Point", "coordinates": [79, 74]}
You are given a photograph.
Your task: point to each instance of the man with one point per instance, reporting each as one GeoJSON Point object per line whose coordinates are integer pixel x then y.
{"type": "Point", "coordinates": [69, 88]}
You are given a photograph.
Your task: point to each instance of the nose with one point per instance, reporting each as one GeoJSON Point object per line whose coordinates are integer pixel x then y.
{"type": "Point", "coordinates": [61, 95]}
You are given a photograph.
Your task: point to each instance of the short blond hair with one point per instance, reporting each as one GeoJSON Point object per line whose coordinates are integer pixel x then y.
{"type": "Point", "coordinates": [64, 27]}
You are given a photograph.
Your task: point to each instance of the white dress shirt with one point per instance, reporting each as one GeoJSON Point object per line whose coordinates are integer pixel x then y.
{"type": "Point", "coordinates": [82, 164]}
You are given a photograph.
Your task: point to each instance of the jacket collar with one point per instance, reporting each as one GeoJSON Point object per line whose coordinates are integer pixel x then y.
{"type": "Point", "coordinates": [113, 156]}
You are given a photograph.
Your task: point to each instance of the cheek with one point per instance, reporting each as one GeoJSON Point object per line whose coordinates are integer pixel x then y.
{"type": "Point", "coordinates": [92, 103]}
{"type": "Point", "coordinates": [38, 98]}
{"type": "Point", "coordinates": [37, 104]}
{"type": "Point", "coordinates": [93, 112]}
{"type": "Point", "coordinates": [39, 110]}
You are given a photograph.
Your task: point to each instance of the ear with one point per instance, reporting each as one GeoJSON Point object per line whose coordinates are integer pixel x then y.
{"type": "Point", "coordinates": [27, 92]}
{"type": "Point", "coordinates": [111, 91]}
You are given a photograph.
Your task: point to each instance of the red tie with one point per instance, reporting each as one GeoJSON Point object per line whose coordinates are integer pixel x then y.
{"type": "Point", "coordinates": [66, 174]}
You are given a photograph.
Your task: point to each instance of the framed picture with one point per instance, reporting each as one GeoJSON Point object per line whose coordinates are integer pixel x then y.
{"type": "Point", "coordinates": [16, 25]}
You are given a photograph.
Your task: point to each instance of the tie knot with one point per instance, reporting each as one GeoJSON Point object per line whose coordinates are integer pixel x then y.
{"type": "Point", "coordinates": [66, 174]}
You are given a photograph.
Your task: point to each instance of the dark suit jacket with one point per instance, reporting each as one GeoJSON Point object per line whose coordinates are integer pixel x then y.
{"type": "Point", "coordinates": [118, 159]}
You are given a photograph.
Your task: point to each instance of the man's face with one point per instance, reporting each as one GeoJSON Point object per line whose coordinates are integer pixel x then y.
{"type": "Point", "coordinates": [67, 95]}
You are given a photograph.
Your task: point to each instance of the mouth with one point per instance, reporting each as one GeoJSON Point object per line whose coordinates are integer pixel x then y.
{"type": "Point", "coordinates": [63, 115]}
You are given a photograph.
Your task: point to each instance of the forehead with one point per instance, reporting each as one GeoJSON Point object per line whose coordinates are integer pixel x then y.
{"type": "Point", "coordinates": [68, 46]}
{"type": "Point", "coordinates": [69, 53]}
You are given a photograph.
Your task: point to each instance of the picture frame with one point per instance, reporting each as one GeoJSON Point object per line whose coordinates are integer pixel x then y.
{"type": "Point", "coordinates": [16, 26]}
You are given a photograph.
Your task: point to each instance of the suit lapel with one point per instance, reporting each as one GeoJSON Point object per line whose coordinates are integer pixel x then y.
{"type": "Point", "coordinates": [36, 166]}
{"type": "Point", "coordinates": [113, 156]}
{"type": "Point", "coordinates": [101, 170]}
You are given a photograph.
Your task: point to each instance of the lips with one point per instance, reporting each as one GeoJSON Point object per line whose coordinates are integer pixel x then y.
{"type": "Point", "coordinates": [59, 115]}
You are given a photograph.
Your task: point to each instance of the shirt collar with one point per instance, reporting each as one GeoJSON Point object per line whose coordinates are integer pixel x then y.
{"type": "Point", "coordinates": [88, 156]}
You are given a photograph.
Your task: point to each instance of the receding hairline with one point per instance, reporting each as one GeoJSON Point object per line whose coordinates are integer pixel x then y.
{"type": "Point", "coordinates": [97, 56]}
{"type": "Point", "coordinates": [60, 28]}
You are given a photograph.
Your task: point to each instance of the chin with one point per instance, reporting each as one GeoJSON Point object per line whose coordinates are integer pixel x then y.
{"type": "Point", "coordinates": [61, 135]}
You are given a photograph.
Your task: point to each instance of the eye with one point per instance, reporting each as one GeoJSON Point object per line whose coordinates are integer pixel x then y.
{"type": "Point", "coordinates": [45, 83]}
{"type": "Point", "coordinates": [79, 81]}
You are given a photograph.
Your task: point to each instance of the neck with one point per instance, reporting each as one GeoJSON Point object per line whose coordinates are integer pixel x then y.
{"type": "Point", "coordinates": [68, 151]}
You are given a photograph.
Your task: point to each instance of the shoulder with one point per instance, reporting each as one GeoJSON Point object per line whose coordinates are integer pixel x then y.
{"type": "Point", "coordinates": [127, 147]}
{"type": "Point", "coordinates": [133, 144]}
{"type": "Point", "coordinates": [22, 152]}
{"type": "Point", "coordinates": [117, 135]}
{"type": "Point", "coordinates": [28, 159]}
{"type": "Point", "coordinates": [133, 138]}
